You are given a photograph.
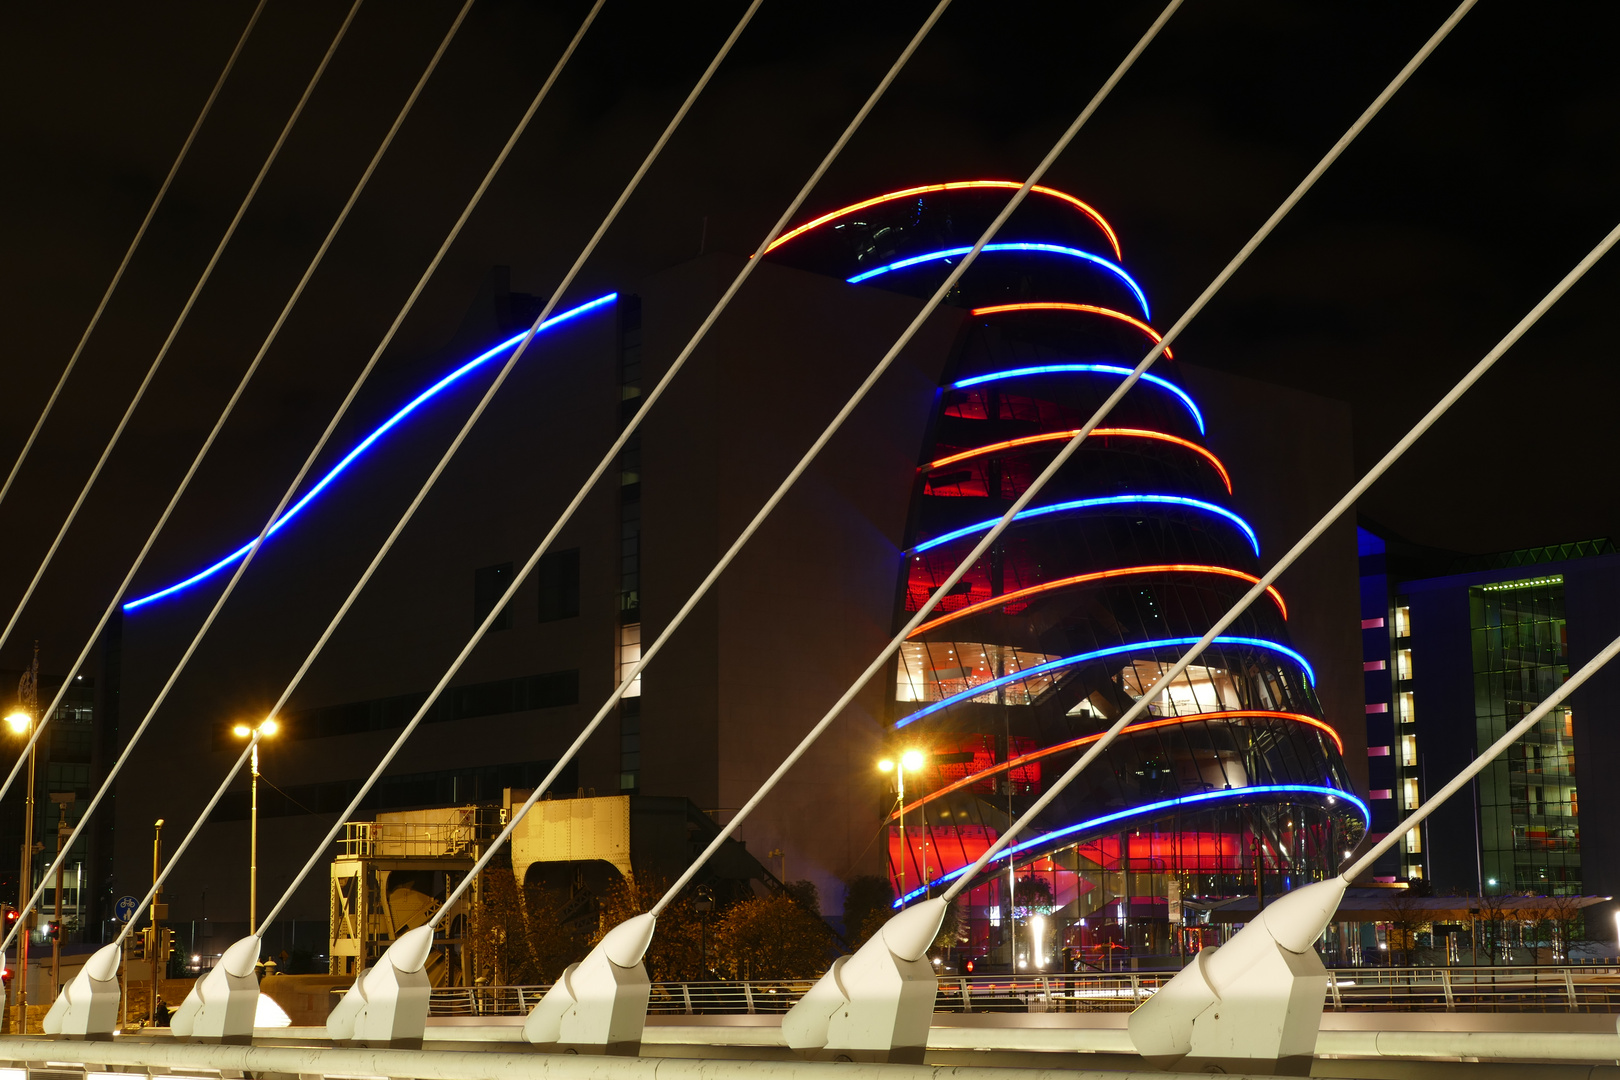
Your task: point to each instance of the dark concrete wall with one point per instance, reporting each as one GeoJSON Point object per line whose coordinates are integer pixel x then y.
{"type": "Point", "coordinates": [809, 601]}
{"type": "Point", "coordinates": [1290, 456]}
{"type": "Point", "coordinates": [806, 606]}
{"type": "Point", "coordinates": [541, 435]}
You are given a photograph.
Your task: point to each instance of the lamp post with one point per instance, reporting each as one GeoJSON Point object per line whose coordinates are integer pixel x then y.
{"type": "Point", "coordinates": [243, 731]}
{"type": "Point", "coordinates": [159, 912]}
{"type": "Point", "coordinates": [910, 760]}
{"type": "Point", "coordinates": [21, 723]}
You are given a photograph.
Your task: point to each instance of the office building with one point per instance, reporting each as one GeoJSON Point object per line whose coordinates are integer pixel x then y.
{"type": "Point", "coordinates": [814, 595]}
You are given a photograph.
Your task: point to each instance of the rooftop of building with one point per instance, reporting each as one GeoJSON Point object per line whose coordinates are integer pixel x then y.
{"type": "Point", "coordinates": [1407, 560]}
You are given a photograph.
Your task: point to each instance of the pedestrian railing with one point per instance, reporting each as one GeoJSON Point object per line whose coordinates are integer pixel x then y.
{"type": "Point", "coordinates": [1450, 989]}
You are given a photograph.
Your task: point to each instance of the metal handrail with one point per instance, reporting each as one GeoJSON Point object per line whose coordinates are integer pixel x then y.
{"type": "Point", "coordinates": [1502, 988]}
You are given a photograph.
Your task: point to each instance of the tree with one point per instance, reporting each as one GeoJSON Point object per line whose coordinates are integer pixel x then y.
{"type": "Point", "coordinates": [552, 943]}
{"type": "Point", "coordinates": [1558, 923]}
{"type": "Point", "coordinates": [867, 904]}
{"type": "Point", "coordinates": [497, 932]}
{"type": "Point", "coordinates": [771, 937]}
{"type": "Point", "coordinates": [1491, 922]}
{"type": "Point", "coordinates": [676, 952]}
{"type": "Point", "coordinates": [1406, 917]}
{"type": "Point", "coordinates": [1033, 896]}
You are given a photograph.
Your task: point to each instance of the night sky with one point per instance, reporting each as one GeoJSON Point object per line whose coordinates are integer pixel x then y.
{"type": "Point", "coordinates": [1486, 178]}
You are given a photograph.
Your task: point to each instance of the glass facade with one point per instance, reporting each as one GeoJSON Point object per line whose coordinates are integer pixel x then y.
{"type": "Point", "coordinates": [1529, 825]}
{"type": "Point", "coordinates": [1231, 782]}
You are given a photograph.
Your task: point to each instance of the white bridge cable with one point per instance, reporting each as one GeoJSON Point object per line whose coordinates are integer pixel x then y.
{"type": "Point", "coordinates": [140, 233]}
{"type": "Point", "coordinates": [1511, 736]}
{"type": "Point", "coordinates": [461, 436]}
{"type": "Point", "coordinates": [180, 320]}
{"type": "Point", "coordinates": [292, 489]}
{"type": "Point", "coordinates": [989, 539]}
{"type": "Point", "coordinates": [612, 455]}
{"type": "Point", "coordinates": [44, 718]}
{"type": "Point", "coordinates": [916, 324]}
{"type": "Point", "coordinates": [309, 462]}
{"type": "Point", "coordinates": [1345, 504]}
{"type": "Point", "coordinates": [179, 852]}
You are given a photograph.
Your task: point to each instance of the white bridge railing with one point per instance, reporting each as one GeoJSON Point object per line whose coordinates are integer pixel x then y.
{"type": "Point", "coordinates": [1448, 989]}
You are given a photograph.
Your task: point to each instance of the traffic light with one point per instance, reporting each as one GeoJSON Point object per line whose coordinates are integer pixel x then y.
{"type": "Point", "coordinates": [967, 965]}
{"type": "Point", "coordinates": [11, 917]}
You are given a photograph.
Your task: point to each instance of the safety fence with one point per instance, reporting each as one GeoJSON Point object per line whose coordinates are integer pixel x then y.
{"type": "Point", "coordinates": [1449, 989]}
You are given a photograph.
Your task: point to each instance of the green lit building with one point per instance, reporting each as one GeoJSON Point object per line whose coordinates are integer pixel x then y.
{"type": "Point", "coordinates": [1456, 649]}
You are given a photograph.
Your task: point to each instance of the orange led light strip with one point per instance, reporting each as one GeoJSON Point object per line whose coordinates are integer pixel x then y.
{"type": "Point", "coordinates": [957, 185]}
{"type": "Point", "coordinates": [1089, 309]}
{"type": "Point", "coordinates": [1065, 436]}
{"type": "Point", "coordinates": [1101, 575]}
{"type": "Point", "coordinates": [1086, 740]}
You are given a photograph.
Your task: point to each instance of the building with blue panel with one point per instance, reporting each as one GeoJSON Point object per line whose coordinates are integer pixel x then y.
{"type": "Point", "coordinates": [1456, 650]}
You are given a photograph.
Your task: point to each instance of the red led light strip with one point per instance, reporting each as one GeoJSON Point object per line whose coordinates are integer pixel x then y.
{"type": "Point", "coordinates": [1100, 575]}
{"type": "Point", "coordinates": [1072, 744]}
{"type": "Point", "coordinates": [957, 185]}
{"type": "Point", "coordinates": [1065, 436]}
{"type": "Point", "coordinates": [1089, 309]}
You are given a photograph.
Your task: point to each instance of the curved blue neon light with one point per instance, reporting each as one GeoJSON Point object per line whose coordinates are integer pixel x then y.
{"type": "Point", "coordinates": [1086, 504]}
{"type": "Point", "coordinates": [1166, 804]}
{"type": "Point", "coordinates": [1104, 369]}
{"type": "Point", "coordinates": [1053, 249]}
{"type": "Point", "coordinates": [366, 443]}
{"type": "Point", "coordinates": [1112, 650]}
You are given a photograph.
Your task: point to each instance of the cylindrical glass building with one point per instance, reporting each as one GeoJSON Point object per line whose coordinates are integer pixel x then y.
{"type": "Point", "coordinates": [1232, 782]}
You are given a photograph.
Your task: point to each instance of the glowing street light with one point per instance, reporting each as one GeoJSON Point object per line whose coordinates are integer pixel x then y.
{"type": "Point", "coordinates": [910, 761]}
{"type": "Point", "coordinates": [243, 731]}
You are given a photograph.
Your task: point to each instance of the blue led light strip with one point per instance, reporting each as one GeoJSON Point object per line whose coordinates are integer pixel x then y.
{"type": "Point", "coordinates": [1112, 650]}
{"type": "Point", "coordinates": [1151, 808]}
{"type": "Point", "coordinates": [1051, 249]}
{"type": "Point", "coordinates": [1086, 504]}
{"type": "Point", "coordinates": [1099, 369]}
{"type": "Point", "coordinates": [366, 443]}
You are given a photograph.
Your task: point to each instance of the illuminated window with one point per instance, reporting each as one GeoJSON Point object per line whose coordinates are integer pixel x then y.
{"type": "Point", "coordinates": [1404, 707]}
{"type": "Point", "coordinates": [1409, 797]}
{"type": "Point", "coordinates": [1403, 663]}
{"type": "Point", "coordinates": [1403, 621]}
{"type": "Point", "coordinates": [1415, 871]}
{"type": "Point", "coordinates": [630, 655]}
{"type": "Point", "coordinates": [1414, 841]}
{"type": "Point", "coordinates": [1408, 750]}
{"type": "Point", "coordinates": [935, 670]}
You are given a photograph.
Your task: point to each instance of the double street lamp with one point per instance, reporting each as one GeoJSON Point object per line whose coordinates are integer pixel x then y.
{"type": "Point", "coordinates": [245, 731]}
{"type": "Point", "coordinates": [909, 761]}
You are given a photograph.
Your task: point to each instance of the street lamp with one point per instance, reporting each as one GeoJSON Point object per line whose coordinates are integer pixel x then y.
{"type": "Point", "coordinates": [243, 731]}
{"type": "Point", "coordinates": [910, 761]}
{"type": "Point", "coordinates": [20, 724]}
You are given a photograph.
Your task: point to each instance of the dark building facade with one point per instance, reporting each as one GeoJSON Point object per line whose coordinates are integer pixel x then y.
{"type": "Point", "coordinates": [804, 608]}
{"type": "Point", "coordinates": [1457, 649]}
